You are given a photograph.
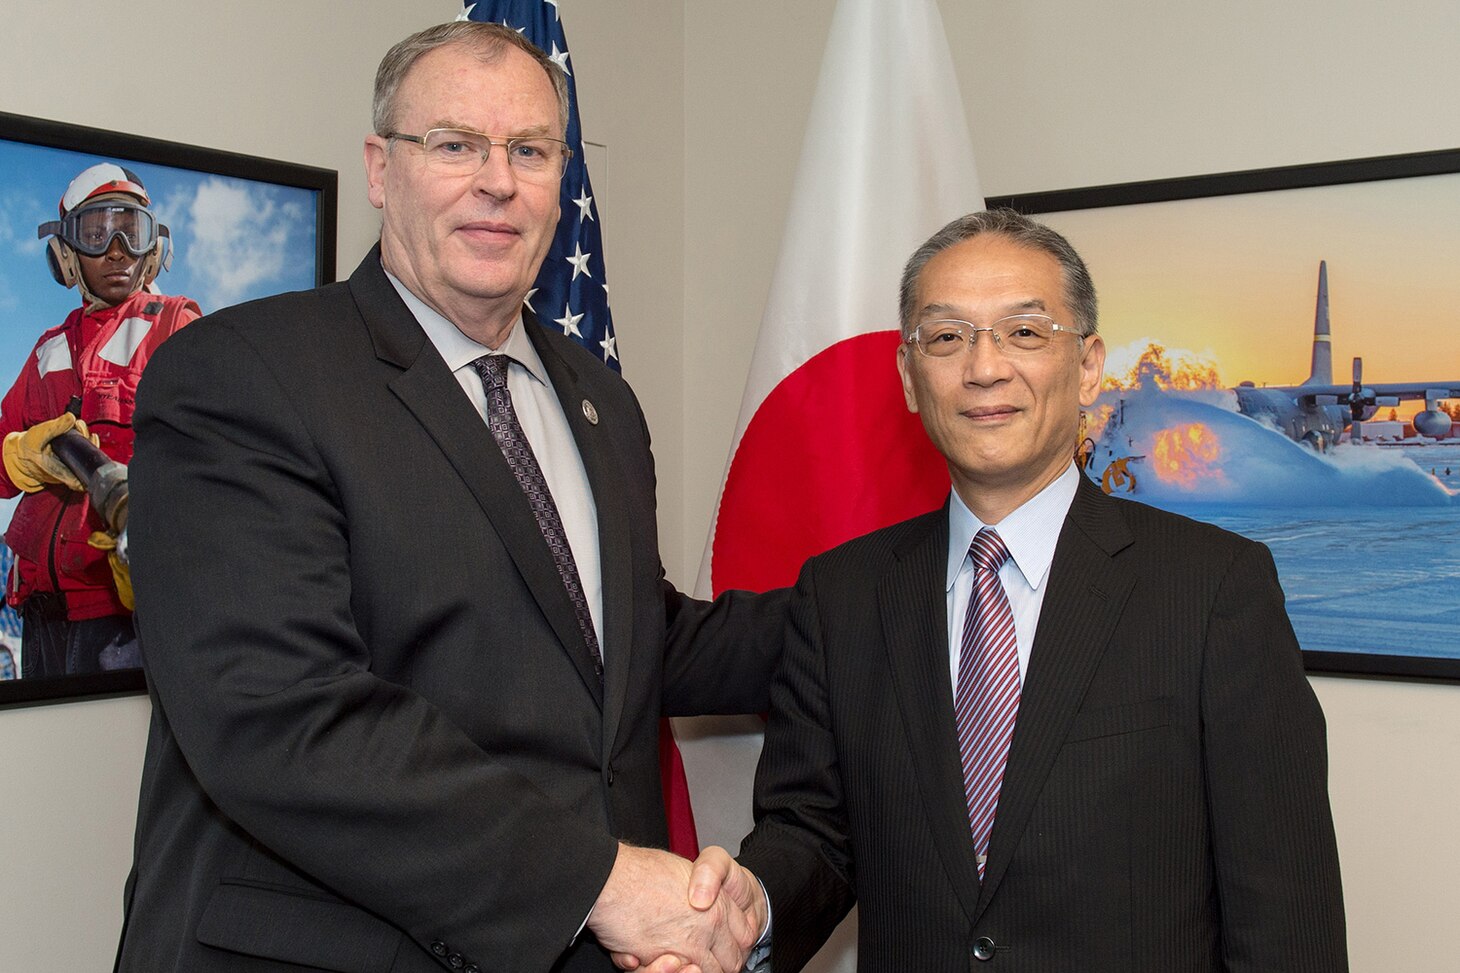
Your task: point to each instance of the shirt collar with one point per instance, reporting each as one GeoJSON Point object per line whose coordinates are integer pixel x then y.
{"type": "Point", "coordinates": [458, 350]}
{"type": "Point", "coordinates": [1030, 532]}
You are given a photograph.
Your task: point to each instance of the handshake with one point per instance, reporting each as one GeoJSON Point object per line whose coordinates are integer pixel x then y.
{"type": "Point", "coordinates": [659, 913]}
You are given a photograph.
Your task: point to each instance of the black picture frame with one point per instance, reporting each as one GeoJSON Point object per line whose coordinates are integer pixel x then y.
{"type": "Point", "coordinates": [24, 138]}
{"type": "Point", "coordinates": [1260, 190]}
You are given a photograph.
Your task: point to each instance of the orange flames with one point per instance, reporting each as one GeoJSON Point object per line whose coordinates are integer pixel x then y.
{"type": "Point", "coordinates": [1185, 454]}
{"type": "Point", "coordinates": [1155, 370]}
{"type": "Point", "coordinates": [1094, 419]}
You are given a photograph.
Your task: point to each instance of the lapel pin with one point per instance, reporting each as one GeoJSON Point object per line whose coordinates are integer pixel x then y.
{"type": "Point", "coordinates": [590, 413]}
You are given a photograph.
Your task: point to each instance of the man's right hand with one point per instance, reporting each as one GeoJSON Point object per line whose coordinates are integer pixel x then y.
{"type": "Point", "coordinates": [29, 460]}
{"type": "Point", "coordinates": [644, 913]}
{"type": "Point", "coordinates": [716, 873]}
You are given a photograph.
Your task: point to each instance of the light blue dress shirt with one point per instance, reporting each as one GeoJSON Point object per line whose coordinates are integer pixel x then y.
{"type": "Point", "coordinates": [1030, 533]}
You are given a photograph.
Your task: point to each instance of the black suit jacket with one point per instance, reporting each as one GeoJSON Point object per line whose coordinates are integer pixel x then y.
{"type": "Point", "coordinates": [1164, 808]}
{"type": "Point", "coordinates": [377, 741]}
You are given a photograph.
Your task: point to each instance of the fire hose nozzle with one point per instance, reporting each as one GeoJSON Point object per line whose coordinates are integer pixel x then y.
{"type": "Point", "coordinates": [104, 478]}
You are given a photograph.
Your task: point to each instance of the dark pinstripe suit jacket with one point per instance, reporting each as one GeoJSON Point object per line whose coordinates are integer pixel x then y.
{"type": "Point", "coordinates": [1164, 807]}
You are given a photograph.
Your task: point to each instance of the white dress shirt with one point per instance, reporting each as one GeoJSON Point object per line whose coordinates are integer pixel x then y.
{"type": "Point", "coordinates": [543, 423]}
{"type": "Point", "coordinates": [1030, 534]}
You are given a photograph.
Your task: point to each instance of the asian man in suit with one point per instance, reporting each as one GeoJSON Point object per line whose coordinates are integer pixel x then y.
{"type": "Point", "coordinates": [405, 626]}
{"type": "Point", "coordinates": [1038, 730]}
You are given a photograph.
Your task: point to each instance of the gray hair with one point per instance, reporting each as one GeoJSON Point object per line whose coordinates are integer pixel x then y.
{"type": "Point", "coordinates": [1017, 228]}
{"type": "Point", "coordinates": [487, 41]}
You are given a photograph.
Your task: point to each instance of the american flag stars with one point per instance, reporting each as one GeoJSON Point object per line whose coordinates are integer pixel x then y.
{"type": "Point", "coordinates": [569, 323]}
{"type": "Point", "coordinates": [584, 202]}
{"type": "Point", "coordinates": [579, 260]}
{"type": "Point", "coordinates": [572, 277]}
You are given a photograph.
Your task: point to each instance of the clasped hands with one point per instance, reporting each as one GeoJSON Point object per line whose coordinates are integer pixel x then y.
{"type": "Point", "coordinates": [659, 913]}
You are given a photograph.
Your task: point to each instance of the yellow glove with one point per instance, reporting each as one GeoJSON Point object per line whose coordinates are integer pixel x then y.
{"type": "Point", "coordinates": [121, 574]}
{"type": "Point", "coordinates": [29, 461]}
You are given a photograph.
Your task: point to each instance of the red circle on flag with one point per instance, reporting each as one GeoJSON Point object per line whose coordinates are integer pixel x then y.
{"type": "Point", "coordinates": [831, 454]}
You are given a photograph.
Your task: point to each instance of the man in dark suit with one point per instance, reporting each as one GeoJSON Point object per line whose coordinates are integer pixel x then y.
{"type": "Point", "coordinates": [1041, 729]}
{"type": "Point", "coordinates": [400, 597]}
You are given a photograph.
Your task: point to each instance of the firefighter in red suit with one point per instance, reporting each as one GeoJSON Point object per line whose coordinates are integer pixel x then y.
{"type": "Point", "coordinates": [67, 581]}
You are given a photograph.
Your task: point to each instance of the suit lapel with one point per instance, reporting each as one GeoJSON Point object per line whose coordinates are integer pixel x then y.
{"type": "Point", "coordinates": [1088, 588]}
{"type": "Point", "coordinates": [429, 390]}
{"type": "Point", "coordinates": [605, 477]}
{"type": "Point", "coordinates": [913, 607]}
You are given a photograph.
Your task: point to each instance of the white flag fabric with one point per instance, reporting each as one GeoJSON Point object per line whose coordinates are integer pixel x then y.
{"type": "Point", "coordinates": [824, 449]}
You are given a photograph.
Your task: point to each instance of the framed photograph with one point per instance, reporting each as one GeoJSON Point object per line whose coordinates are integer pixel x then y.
{"type": "Point", "coordinates": [231, 227]}
{"type": "Point", "coordinates": [1282, 360]}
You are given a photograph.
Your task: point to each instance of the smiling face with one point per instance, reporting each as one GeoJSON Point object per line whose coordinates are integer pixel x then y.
{"type": "Point", "coordinates": [468, 245]}
{"type": "Point", "coordinates": [1007, 426]}
{"type": "Point", "coordinates": [111, 277]}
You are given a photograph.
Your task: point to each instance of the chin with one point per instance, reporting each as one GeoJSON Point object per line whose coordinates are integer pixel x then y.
{"type": "Point", "coordinates": [484, 280]}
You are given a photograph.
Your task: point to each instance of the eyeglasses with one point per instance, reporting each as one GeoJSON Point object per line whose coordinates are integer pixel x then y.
{"type": "Point", "coordinates": [92, 229]}
{"type": "Point", "coordinates": [1018, 336]}
{"type": "Point", "coordinates": [458, 152]}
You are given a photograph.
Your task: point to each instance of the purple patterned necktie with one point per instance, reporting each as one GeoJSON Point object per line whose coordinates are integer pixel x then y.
{"type": "Point", "coordinates": [507, 431]}
{"type": "Point", "coordinates": [987, 700]}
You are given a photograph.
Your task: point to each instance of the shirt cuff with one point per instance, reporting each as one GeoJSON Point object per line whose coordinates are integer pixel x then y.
{"type": "Point", "coordinates": [759, 960]}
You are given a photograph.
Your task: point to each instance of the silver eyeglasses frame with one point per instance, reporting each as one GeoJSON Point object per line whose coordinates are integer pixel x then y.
{"type": "Point", "coordinates": [1004, 337]}
{"type": "Point", "coordinates": [550, 173]}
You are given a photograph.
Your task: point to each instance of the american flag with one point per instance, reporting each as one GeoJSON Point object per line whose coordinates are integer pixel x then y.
{"type": "Point", "coordinates": [571, 291]}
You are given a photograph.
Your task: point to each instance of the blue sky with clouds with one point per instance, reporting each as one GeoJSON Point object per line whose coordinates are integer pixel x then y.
{"type": "Point", "coordinates": [235, 239]}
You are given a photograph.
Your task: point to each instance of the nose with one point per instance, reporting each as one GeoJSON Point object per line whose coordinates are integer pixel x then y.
{"type": "Point", "coordinates": [115, 250]}
{"type": "Point", "coordinates": [985, 363]}
{"type": "Point", "coordinates": [495, 178]}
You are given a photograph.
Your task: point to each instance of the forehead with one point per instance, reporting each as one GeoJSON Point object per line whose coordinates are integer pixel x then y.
{"type": "Point", "coordinates": [455, 86]}
{"type": "Point", "coordinates": [990, 273]}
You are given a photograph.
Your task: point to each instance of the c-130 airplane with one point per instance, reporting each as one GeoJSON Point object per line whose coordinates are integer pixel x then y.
{"type": "Point", "coordinates": [1314, 414]}
{"type": "Point", "coordinates": [1317, 412]}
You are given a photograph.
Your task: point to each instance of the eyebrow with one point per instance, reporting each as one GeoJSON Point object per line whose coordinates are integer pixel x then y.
{"type": "Point", "coordinates": [1032, 304]}
{"type": "Point", "coordinates": [530, 131]}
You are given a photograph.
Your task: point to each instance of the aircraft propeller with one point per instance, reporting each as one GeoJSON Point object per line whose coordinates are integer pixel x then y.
{"type": "Point", "coordinates": [1362, 402]}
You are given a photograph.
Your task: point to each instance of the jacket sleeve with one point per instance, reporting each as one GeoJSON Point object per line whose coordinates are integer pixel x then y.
{"type": "Point", "coordinates": [240, 553]}
{"type": "Point", "coordinates": [800, 847]}
{"type": "Point", "coordinates": [720, 655]}
{"type": "Point", "coordinates": [1273, 842]}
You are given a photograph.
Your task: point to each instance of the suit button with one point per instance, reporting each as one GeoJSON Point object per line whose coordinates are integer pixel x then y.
{"type": "Point", "coordinates": [455, 961]}
{"type": "Point", "coordinates": [472, 968]}
{"type": "Point", "coordinates": [983, 948]}
{"type": "Point", "coordinates": [438, 948]}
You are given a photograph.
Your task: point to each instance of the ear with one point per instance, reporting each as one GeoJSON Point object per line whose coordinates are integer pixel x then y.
{"type": "Point", "coordinates": [1092, 370]}
{"type": "Point", "coordinates": [377, 155]}
{"type": "Point", "coordinates": [904, 370]}
{"type": "Point", "coordinates": [62, 261]}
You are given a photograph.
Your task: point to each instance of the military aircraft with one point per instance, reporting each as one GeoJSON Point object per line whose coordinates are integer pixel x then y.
{"type": "Point", "coordinates": [1317, 412]}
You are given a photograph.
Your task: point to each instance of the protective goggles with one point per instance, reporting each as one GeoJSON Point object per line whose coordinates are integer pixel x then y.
{"type": "Point", "coordinates": [90, 230]}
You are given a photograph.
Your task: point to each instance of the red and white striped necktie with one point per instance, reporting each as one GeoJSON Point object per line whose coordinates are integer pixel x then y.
{"type": "Point", "coordinates": [987, 699]}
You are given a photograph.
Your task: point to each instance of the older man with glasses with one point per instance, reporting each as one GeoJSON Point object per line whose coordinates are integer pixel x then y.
{"type": "Point", "coordinates": [1039, 729]}
{"type": "Point", "coordinates": [404, 619]}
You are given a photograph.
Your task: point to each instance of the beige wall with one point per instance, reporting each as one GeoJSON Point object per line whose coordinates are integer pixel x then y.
{"type": "Point", "coordinates": [701, 105]}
